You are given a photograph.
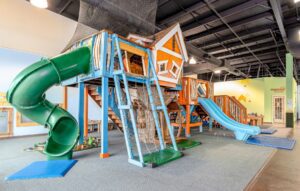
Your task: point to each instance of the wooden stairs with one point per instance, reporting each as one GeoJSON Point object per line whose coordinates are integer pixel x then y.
{"type": "Point", "coordinates": [92, 91]}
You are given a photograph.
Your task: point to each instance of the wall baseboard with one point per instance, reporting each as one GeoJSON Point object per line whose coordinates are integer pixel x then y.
{"type": "Point", "coordinates": [22, 136]}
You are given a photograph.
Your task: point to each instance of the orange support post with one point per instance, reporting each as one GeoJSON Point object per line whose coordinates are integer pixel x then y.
{"type": "Point", "coordinates": [65, 103]}
{"type": "Point", "coordinates": [86, 111]}
{"type": "Point", "coordinates": [188, 121]}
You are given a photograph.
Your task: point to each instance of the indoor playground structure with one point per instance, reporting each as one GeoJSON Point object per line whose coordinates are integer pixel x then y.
{"type": "Point", "coordinates": [118, 73]}
{"type": "Point", "coordinates": [145, 95]}
{"type": "Point", "coordinates": [133, 80]}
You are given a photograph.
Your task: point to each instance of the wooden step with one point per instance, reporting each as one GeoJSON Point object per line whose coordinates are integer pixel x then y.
{"type": "Point", "coordinates": [114, 117]}
{"type": "Point", "coordinates": [94, 93]}
{"type": "Point", "coordinates": [97, 97]}
{"type": "Point", "coordinates": [92, 88]}
{"type": "Point", "coordinates": [111, 112]}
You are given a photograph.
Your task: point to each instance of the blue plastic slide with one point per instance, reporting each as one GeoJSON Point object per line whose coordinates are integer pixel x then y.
{"type": "Point", "coordinates": [241, 131]}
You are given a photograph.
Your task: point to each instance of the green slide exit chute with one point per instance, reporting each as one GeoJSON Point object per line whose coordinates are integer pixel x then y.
{"type": "Point", "coordinates": [27, 95]}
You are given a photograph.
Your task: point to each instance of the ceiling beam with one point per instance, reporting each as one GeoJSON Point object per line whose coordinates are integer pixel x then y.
{"type": "Point", "coordinates": [238, 44]}
{"type": "Point", "coordinates": [266, 52]}
{"type": "Point", "coordinates": [251, 60]}
{"type": "Point", "coordinates": [162, 2]}
{"type": "Point", "coordinates": [256, 66]}
{"type": "Point", "coordinates": [265, 61]}
{"type": "Point", "coordinates": [276, 7]}
{"type": "Point", "coordinates": [232, 24]}
{"type": "Point", "coordinates": [66, 5]}
{"type": "Point", "coordinates": [255, 48]}
{"type": "Point", "coordinates": [242, 33]}
{"type": "Point", "coordinates": [182, 13]}
{"type": "Point", "coordinates": [199, 20]}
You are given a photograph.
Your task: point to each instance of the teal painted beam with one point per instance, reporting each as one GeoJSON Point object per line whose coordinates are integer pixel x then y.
{"type": "Point", "coordinates": [289, 62]}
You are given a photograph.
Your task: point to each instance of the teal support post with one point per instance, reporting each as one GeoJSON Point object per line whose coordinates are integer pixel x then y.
{"type": "Point", "coordinates": [290, 108]}
{"type": "Point", "coordinates": [104, 94]}
{"type": "Point", "coordinates": [81, 112]}
{"type": "Point", "coordinates": [201, 129]}
{"type": "Point", "coordinates": [210, 125]}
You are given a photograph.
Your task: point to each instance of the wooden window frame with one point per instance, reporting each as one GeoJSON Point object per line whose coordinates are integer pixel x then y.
{"type": "Point", "coordinates": [174, 64]}
{"type": "Point", "coordinates": [19, 122]}
{"type": "Point", "coordinates": [24, 124]}
{"type": "Point", "coordinates": [165, 63]}
{"type": "Point", "coordinates": [9, 132]}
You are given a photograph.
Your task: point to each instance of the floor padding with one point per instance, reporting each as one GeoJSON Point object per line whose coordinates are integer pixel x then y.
{"type": "Point", "coordinates": [44, 169]}
{"type": "Point", "coordinates": [275, 142]}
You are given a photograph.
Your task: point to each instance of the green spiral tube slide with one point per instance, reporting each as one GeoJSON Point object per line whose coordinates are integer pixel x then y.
{"type": "Point", "coordinates": [27, 95]}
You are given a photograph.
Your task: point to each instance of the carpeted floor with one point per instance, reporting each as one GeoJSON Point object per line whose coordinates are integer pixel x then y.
{"type": "Point", "coordinates": [220, 163]}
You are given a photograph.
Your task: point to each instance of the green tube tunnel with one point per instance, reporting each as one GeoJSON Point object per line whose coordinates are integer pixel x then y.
{"type": "Point", "coordinates": [27, 95]}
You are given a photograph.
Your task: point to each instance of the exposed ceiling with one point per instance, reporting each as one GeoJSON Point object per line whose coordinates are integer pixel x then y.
{"type": "Point", "coordinates": [245, 34]}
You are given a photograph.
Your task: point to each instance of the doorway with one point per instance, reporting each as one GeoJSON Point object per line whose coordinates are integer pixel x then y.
{"type": "Point", "coordinates": [278, 108]}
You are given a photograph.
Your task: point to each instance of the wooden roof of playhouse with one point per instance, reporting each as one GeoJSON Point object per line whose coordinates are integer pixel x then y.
{"type": "Point", "coordinates": [169, 53]}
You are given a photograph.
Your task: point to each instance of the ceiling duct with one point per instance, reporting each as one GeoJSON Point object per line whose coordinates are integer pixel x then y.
{"type": "Point", "coordinates": [119, 16]}
{"type": "Point", "coordinates": [293, 42]}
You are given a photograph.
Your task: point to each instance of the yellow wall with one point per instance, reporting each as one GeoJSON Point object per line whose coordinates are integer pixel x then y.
{"type": "Point", "coordinates": [257, 94]}
{"type": "Point", "coordinates": [249, 92]}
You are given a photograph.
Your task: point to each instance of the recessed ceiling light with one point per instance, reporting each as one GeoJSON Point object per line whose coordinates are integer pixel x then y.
{"type": "Point", "coordinates": [193, 61]}
{"type": "Point", "coordinates": [39, 3]}
{"type": "Point", "coordinates": [296, 1]}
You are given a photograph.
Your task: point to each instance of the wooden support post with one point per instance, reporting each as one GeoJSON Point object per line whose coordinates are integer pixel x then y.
{"type": "Point", "coordinates": [86, 111]}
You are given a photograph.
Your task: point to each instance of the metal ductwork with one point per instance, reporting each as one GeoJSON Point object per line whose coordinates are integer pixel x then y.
{"type": "Point", "coordinates": [291, 38]}
{"type": "Point", "coordinates": [293, 42]}
{"type": "Point", "coordinates": [119, 16]}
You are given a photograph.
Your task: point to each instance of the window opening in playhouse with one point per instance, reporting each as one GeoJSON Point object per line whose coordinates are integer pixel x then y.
{"type": "Point", "coordinates": [175, 69]}
{"type": "Point", "coordinates": [162, 67]}
{"type": "Point", "coordinates": [135, 63]}
{"type": "Point", "coordinates": [201, 90]}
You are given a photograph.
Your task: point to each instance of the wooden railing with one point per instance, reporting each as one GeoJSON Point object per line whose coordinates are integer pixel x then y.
{"type": "Point", "coordinates": [232, 107]}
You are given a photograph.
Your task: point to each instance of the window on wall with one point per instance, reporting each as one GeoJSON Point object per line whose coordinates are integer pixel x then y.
{"type": "Point", "coordinates": [5, 122]}
{"type": "Point", "coordinates": [174, 69]}
{"type": "Point", "coordinates": [162, 67]}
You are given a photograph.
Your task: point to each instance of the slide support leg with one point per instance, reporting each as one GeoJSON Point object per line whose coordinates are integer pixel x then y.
{"type": "Point", "coordinates": [210, 123]}
{"type": "Point", "coordinates": [81, 112]}
{"type": "Point", "coordinates": [188, 121]}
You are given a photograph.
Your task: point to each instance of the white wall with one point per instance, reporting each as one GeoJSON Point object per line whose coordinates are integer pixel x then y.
{"type": "Point", "coordinates": [27, 28]}
{"type": "Point", "coordinates": [73, 105]}
{"type": "Point", "coordinates": [298, 102]}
